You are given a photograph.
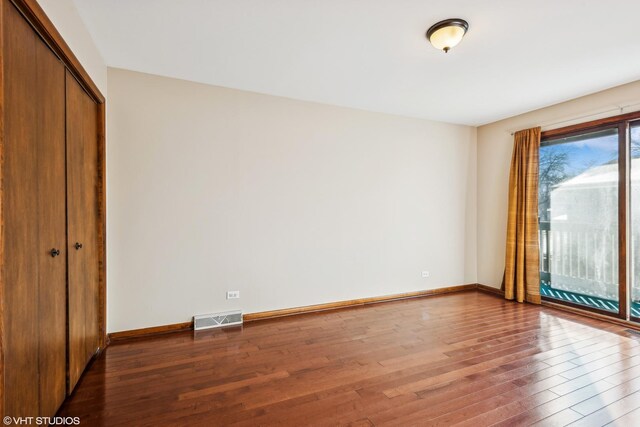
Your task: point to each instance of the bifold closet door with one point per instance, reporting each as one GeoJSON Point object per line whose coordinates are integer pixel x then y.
{"type": "Point", "coordinates": [52, 236]}
{"type": "Point", "coordinates": [82, 226]}
{"type": "Point", "coordinates": [20, 235]}
{"type": "Point", "coordinates": [33, 201]}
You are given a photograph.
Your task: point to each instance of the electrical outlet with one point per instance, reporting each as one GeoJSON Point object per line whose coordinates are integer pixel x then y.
{"type": "Point", "coordinates": [233, 294]}
{"type": "Point", "coordinates": [425, 274]}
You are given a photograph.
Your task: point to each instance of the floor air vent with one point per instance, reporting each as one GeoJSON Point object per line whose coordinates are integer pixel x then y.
{"type": "Point", "coordinates": [633, 331]}
{"type": "Point", "coordinates": [217, 320]}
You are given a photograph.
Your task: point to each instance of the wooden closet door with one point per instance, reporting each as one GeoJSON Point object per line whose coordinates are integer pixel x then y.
{"type": "Point", "coordinates": [34, 222]}
{"type": "Point", "coordinates": [20, 232]}
{"type": "Point", "coordinates": [82, 226]}
{"type": "Point", "coordinates": [52, 271]}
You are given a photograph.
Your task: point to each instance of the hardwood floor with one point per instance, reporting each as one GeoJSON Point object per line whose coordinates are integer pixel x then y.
{"type": "Point", "coordinates": [468, 359]}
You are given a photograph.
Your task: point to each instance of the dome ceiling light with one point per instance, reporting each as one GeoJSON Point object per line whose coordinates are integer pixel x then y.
{"type": "Point", "coordinates": [448, 33]}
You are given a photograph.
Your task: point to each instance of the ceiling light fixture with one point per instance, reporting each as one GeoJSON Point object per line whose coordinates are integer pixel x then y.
{"type": "Point", "coordinates": [448, 33]}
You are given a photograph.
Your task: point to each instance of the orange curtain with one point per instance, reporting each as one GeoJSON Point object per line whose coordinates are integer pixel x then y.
{"type": "Point", "coordinates": [522, 264]}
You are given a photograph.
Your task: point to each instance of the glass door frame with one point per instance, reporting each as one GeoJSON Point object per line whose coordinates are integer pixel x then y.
{"type": "Point", "coordinates": [621, 122]}
{"type": "Point", "coordinates": [636, 122]}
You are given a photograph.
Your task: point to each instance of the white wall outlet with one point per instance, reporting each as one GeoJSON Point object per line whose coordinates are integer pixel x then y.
{"type": "Point", "coordinates": [233, 294]}
{"type": "Point", "coordinates": [425, 274]}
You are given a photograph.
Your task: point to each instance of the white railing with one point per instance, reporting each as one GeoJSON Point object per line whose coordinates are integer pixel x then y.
{"type": "Point", "coordinates": [581, 258]}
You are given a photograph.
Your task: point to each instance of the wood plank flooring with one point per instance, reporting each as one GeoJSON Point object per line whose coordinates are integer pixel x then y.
{"type": "Point", "coordinates": [469, 359]}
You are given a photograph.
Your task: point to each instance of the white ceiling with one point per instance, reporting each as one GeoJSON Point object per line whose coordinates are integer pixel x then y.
{"type": "Point", "coordinates": [518, 55]}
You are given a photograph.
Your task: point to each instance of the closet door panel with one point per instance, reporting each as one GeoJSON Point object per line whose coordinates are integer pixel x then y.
{"type": "Point", "coordinates": [19, 200]}
{"type": "Point", "coordinates": [52, 301]}
{"type": "Point", "coordinates": [82, 220]}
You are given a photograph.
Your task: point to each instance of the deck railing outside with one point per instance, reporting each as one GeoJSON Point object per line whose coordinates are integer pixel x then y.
{"type": "Point", "coordinates": [581, 259]}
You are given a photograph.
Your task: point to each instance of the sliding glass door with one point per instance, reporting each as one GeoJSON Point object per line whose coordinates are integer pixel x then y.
{"type": "Point", "coordinates": [634, 197]}
{"type": "Point", "coordinates": [589, 213]}
{"type": "Point", "coordinates": [579, 193]}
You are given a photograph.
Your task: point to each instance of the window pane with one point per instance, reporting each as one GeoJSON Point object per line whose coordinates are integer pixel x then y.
{"type": "Point", "coordinates": [635, 219]}
{"type": "Point", "coordinates": [578, 209]}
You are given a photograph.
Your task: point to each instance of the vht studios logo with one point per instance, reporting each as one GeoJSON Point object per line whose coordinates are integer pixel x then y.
{"type": "Point", "coordinates": [41, 421]}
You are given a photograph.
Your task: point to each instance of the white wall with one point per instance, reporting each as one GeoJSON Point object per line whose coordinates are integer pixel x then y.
{"type": "Point", "coordinates": [293, 203]}
{"type": "Point", "coordinates": [65, 17]}
{"type": "Point", "coordinates": [495, 144]}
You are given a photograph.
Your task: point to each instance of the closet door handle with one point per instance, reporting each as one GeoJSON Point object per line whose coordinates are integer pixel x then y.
{"type": "Point", "coordinates": [54, 252]}
{"type": "Point", "coordinates": [78, 246]}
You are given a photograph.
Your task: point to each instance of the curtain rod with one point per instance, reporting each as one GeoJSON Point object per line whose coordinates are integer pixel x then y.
{"type": "Point", "coordinates": [586, 116]}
